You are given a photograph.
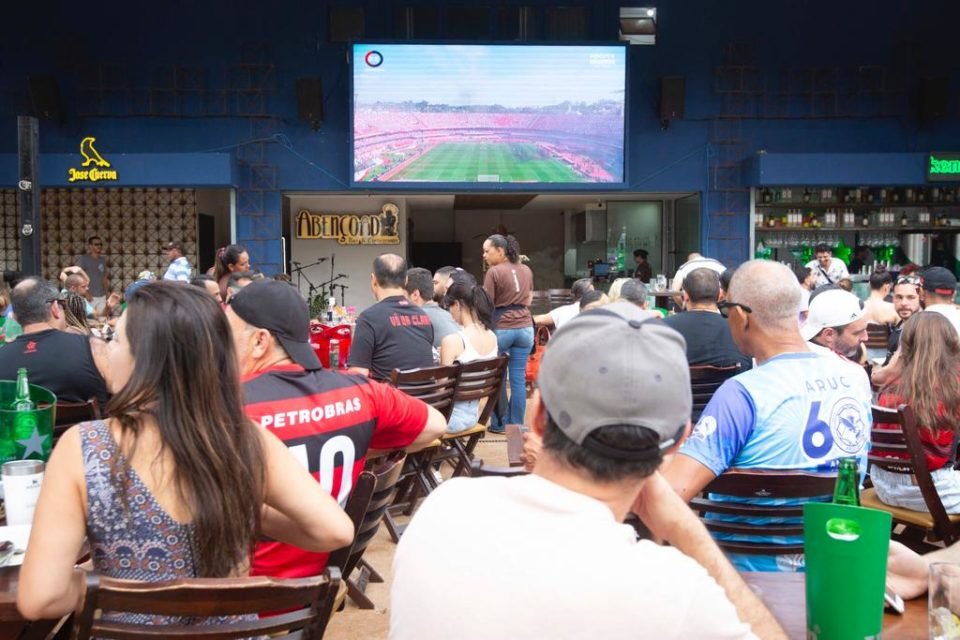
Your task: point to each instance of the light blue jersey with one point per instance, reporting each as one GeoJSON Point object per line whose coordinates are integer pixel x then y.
{"type": "Point", "coordinates": [799, 411]}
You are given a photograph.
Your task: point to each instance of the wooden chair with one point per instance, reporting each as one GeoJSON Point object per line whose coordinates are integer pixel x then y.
{"type": "Point", "coordinates": [704, 382]}
{"type": "Point", "coordinates": [540, 302]}
{"type": "Point", "coordinates": [368, 502]}
{"type": "Point", "coordinates": [71, 413]}
{"type": "Point", "coordinates": [436, 386]}
{"type": "Point", "coordinates": [760, 484]}
{"type": "Point", "coordinates": [479, 380]}
{"type": "Point", "coordinates": [479, 470]}
{"type": "Point", "coordinates": [311, 599]}
{"type": "Point", "coordinates": [877, 335]}
{"type": "Point", "coordinates": [557, 297]}
{"type": "Point", "coordinates": [900, 451]}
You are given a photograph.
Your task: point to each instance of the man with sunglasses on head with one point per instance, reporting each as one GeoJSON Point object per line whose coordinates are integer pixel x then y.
{"type": "Point", "coordinates": [72, 366]}
{"type": "Point", "coordinates": [798, 409]}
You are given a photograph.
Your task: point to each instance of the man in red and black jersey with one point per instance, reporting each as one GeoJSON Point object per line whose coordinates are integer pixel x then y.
{"type": "Point", "coordinates": [329, 421]}
{"type": "Point", "coordinates": [394, 333]}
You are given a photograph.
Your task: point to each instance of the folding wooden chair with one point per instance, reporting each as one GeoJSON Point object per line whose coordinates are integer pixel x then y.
{"type": "Point", "coordinates": [436, 386]}
{"type": "Point", "coordinates": [479, 380]}
{"type": "Point", "coordinates": [368, 502]}
{"type": "Point", "coordinates": [877, 335]}
{"type": "Point", "coordinates": [704, 382]}
{"type": "Point", "coordinates": [558, 297]}
{"type": "Point", "coordinates": [796, 485]}
{"type": "Point", "coordinates": [479, 470]}
{"type": "Point", "coordinates": [899, 450]}
{"type": "Point", "coordinates": [308, 602]}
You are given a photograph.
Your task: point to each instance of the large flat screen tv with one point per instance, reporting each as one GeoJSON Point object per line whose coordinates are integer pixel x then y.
{"type": "Point", "coordinates": [488, 115]}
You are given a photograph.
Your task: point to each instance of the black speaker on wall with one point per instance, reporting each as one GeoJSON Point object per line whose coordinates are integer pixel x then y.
{"type": "Point", "coordinates": [45, 98]}
{"type": "Point", "coordinates": [933, 99]}
{"type": "Point", "coordinates": [310, 100]}
{"type": "Point", "coordinates": [672, 91]}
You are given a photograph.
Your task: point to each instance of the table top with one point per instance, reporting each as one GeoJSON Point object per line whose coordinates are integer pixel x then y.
{"type": "Point", "coordinates": [665, 293]}
{"type": "Point", "coordinates": [9, 581]}
{"type": "Point", "coordinates": [785, 596]}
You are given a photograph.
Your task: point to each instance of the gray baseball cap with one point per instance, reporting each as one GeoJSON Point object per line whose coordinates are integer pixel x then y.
{"type": "Point", "coordinates": [617, 366]}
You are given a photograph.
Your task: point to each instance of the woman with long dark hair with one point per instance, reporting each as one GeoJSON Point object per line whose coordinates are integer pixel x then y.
{"type": "Point", "coordinates": [177, 482]}
{"type": "Point", "coordinates": [472, 309]}
{"type": "Point", "coordinates": [509, 283]}
{"type": "Point", "coordinates": [230, 259]}
{"type": "Point", "coordinates": [929, 381]}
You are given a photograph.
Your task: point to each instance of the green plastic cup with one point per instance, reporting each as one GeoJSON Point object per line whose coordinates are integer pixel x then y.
{"type": "Point", "coordinates": [26, 446]}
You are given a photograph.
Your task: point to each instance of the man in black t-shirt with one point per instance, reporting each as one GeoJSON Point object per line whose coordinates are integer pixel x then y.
{"type": "Point", "coordinates": [70, 365]}
{"type": "Point", "coordinates": [701, 325]}
{"type": "Point", "coordinates": [393, 333]}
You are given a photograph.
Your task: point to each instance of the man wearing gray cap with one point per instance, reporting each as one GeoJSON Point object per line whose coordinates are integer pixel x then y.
{"type": "Point", "coordinates": [607, 418]}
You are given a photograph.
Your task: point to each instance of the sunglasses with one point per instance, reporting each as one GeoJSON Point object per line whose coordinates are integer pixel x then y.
{"type": "Point", "coordinates": [915, 280]}
{"type": "Point", "coordinates": [726, 305]}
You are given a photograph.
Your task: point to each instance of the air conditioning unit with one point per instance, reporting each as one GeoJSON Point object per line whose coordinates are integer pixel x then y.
{"type": "Point", "coordinates": [596, 222]}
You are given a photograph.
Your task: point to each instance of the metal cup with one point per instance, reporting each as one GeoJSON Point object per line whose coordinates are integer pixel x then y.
{"type": "Point", "coordinates": [21, 488]}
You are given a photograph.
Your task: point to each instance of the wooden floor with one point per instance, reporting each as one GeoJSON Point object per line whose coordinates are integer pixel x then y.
{"type": "Point", "coordinates": [353, 623]}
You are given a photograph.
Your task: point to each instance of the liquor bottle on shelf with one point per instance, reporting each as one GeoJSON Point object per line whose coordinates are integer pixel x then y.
{"type": "Point", "coordinates": [904, 221]}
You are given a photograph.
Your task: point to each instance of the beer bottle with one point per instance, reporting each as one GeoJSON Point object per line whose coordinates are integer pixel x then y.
{"type": "Point", "coordinates": [847, 489]}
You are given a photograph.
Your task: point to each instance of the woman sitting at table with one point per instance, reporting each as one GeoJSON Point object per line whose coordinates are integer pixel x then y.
{"type": "Point", "coordinates": [177, 482]}
{"type": "Point", "coordinates": [929, 381]}
{"type": "Point", "coordinates": [471, 307]}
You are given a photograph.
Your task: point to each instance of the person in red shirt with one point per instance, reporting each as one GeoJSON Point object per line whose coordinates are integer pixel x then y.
{"type": "Point", "coordinates": [929, 381]}
{"type": "Point", "coordinates": [329, 421]}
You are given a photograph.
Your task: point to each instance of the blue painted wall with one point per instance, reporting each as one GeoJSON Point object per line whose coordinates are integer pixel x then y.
{"type": "Point", "coordinates": [867, 57]}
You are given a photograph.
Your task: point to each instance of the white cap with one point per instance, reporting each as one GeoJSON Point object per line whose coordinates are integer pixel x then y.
{"type": "Point", "coordinates": [833, 308]}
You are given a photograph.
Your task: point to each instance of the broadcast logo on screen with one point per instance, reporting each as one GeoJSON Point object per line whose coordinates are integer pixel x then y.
{"type": "Point", "coordinates": [373, 58]}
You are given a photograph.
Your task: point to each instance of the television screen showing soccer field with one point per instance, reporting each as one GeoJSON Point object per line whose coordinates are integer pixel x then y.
{"type": "Point", "coordinates": [488, 113]}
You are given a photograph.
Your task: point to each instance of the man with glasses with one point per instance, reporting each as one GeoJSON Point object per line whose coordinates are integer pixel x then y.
{"type": "Point", "coordinates": [71, 366]}
{"type": "Point", "coordinates": [796, 410]}
{"type": "Point", "coordinates": [94, 263]}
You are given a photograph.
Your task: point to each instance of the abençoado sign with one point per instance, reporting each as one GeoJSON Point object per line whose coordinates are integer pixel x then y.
{"type": "Point", "coordinates": [347, 228]}
{"type": "Point", "coordinates": [943, 167]}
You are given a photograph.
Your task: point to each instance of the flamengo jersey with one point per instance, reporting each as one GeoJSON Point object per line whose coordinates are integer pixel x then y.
{"type": "Point", "coordinates": [801, 411]}
{"type": "Point", "coordinates": [328, 421]}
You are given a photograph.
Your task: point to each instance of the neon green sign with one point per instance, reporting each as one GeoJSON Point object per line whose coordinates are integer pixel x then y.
{"type": "Point", "coordinates": [943, 167]}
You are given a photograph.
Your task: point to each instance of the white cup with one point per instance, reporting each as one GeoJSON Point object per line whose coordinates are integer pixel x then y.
{"type": "Point", "coordinates": [21, 488]}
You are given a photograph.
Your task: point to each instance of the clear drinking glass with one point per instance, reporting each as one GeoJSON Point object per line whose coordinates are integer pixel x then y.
{"type": "Point", "coordinates": [661, 282]}
{"type": "Point", "coordinates": [944, 602]}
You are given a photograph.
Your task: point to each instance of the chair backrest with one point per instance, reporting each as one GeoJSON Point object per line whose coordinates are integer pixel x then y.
{"type": "Point", "coordinates": [308, 602]}
{"type": "Point", "coordinates": [704, 382]}
{"type": "Point", "coordinates": [479, 470]}
{"type": "Point", "coordinates": [899, 450]}
{"type": "Point", "coordinates": [372, 494]}
{"type": "Point", "coordinates": [433, 385]}
{"type": "Point", "coordinates": [796, 485]}
{"type": "Point", "coordinates": [540, 302]}
{"type": "Point", "coordinates": [877, 335]}
{"type": "Point", "coordinates": [70, 413]}
{"type": "Point", "coordinates": [481, 379]}
{"type": "Point", "coordinates": [558, 297]}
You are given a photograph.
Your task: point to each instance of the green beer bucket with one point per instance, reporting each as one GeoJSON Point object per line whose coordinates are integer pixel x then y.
{"type": "Point", "coordinates": [846, 557]}
{"type": "Point", "coordinates": [37, 444]}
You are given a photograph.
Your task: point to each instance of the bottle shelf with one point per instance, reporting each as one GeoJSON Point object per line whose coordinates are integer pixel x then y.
{"type": "Point", "coordinates": [856, 205]}
{"type": "Point", "coordinates": [897, 228]}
